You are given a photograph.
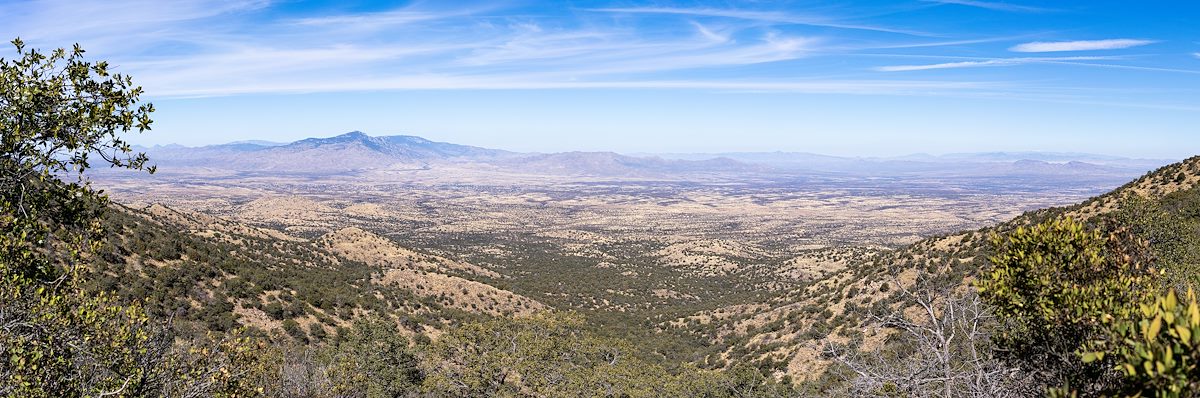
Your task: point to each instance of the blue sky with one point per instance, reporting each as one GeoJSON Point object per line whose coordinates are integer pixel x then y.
{"type": "Point", "coordinates": [852, 78]}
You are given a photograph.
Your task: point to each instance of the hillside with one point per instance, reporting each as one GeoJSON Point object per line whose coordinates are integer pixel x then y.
{"type": "Point", "coordinates": [789, 333]}
{"type": "Point", "coordinates": [427, 276]}
{"type": "Point", "coordinates": [714, 298]}
{"type": "Point", "coordinates": [214, 274]}
{"type": "Point", "coordinates": [301, 270]}
{"type": "Point", "coordinates": [264, 277]}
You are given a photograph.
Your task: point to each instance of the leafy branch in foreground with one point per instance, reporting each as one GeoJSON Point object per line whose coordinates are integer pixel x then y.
{"type": "Point", "coordinates": [1052, 285]}
{"type": "Point", "coordinates": [1157, 349]}
{"type": "Point", "coordinates": [57, 113]}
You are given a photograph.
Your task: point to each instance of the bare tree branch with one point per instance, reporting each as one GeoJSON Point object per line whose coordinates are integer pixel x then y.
{"type": "Point", "coordinates": [941, 348]}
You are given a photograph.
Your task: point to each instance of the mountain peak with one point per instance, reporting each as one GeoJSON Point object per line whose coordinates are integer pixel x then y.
{"type": "Point", "coordinates": [357, 135]}
{"type": "Point", "coordinates": [411, 139]}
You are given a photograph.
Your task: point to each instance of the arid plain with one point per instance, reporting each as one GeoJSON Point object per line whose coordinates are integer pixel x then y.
{"type": "Point", "coordinates": [648, 241]}
{"type": "Point", "coordinates": [704, 258]}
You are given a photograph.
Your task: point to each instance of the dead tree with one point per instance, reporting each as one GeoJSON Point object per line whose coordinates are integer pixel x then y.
{"type": "Point", "coordinates": [939, 346]}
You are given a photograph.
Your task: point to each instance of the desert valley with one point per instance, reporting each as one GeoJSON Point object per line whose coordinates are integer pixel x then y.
{"type": "Point", "coordinates": [599, 198]}
{"type": "Point", "coordinates": [639, 245]}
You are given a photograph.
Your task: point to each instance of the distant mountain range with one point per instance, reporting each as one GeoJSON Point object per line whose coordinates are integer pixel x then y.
{"type": "Point", "coordinates": [954, 163]}
{"type": "Point", "coordinates": [353, 151]}
{"type": "Point", "coordinates": [357, 152]}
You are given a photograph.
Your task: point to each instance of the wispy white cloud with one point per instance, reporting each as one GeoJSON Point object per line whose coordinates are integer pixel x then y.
{"type": "Point", "coordinates": [111, 24]}
{"type": "Point", "coordinates": [527, 60]}
{"type": "Point", "coordinates": [946, 65]}
{"type": "Point", "coordinates": [771, 48]}
{"type": "Point", "coordinates": [1079, 45]}
{"type": "Point", "coordinates": [1197, 55]}
{"type": "Point", "coordinates": [763, 16]}
{"type": "Point", "coordinates": [390, 18]}
{"type": "Point", "coordinates": [709, 34]}
{"type": "Point", "coordinates": [991, 5]}
{"type": "Point", "coordinates": [1071, 61]}
{"type": "Point", "coordinates": [192, 48]}
{"type": "Point", "coordinates": [1132, 67]}
{"type": "Point", "coordinates": [939, 43]}
{"type": "Point", "coordinates": [408, 15]}
{"type": "Point", "coordinates": [534, 82]}
{"type": "Point", "coordinates": [250, 65]}
{"type": "Point", "coordinates": [209, 48]}
{"type": "Point", "coordinates": [985, 63]}
{"type": "Point", "coordinates": [529, 42]}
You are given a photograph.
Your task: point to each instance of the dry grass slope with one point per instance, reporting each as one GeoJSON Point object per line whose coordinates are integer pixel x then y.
{"type": "Point", "coordinates": [792, 329]}
{"type": "Point", "coordinates": [426, 275]}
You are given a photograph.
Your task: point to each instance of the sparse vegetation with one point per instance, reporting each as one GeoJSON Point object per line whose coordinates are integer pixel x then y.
{"type": "Point", "coordinates": [256, 296]}
{"type": "Point", "coordinates": [1051, 286]}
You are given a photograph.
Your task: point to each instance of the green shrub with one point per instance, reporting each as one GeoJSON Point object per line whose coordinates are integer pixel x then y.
{"type": "Point", "coordinates": [292, 328]}
{"type": "Point", "coordinates": [1157, 348]}
{"type": "Point", "coordinates": [1051, 285]}
{"type": "Point", "coordinates": [373, 359]}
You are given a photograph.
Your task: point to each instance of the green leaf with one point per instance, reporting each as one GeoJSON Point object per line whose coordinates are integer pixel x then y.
{"type": "Point", "coordinates": [1155, 327]}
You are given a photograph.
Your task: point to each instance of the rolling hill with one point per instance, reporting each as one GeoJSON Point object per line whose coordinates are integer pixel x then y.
{"type": "Point", "coordinates": [215, 274]}
{"type": "Point", "coordinates": [789, 333]}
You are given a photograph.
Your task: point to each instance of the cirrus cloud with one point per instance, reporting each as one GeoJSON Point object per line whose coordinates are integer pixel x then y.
{"type": "Point", "coordinates": [1078, 45]}
{"type": "Point", "coordinates": [991, 5]}
{"type": "Point", "coordinates": [987, 62]}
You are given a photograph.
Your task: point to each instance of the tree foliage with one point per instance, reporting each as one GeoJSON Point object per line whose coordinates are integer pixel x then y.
{"type": "Point", "coordinates": [58, 338]}
{"type": "Point", "coordinates": [230, 365]}
{"type": "Point", "coordinates": [1051, 285]}
{"type": "Point", "coordinates": [1157, 348]}
{"type": "Point", "coordinates": [56, 111]}
{"type": "Point", "coordinates": [552, 355]}
{"type": "Point", "coordinates": [373, 360]}
{"type": "Point", "coordinates": [1171, 225]}
{"type": "Point", "coordinates": [546, 355]}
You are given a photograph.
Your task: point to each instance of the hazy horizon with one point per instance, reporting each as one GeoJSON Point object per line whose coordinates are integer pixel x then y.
{"type": "Point", "coordinates": [668, 153]}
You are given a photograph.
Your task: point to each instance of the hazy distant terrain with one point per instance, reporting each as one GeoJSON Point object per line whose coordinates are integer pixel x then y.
{"type": "Point", "coordinates": [420, 191]}
{"type": "Point", "coordinates": [748, 217]}
{"type": "Point", "coordinates": [694, 256]}
{"type": "Point", "coordinates": [358, 152]}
